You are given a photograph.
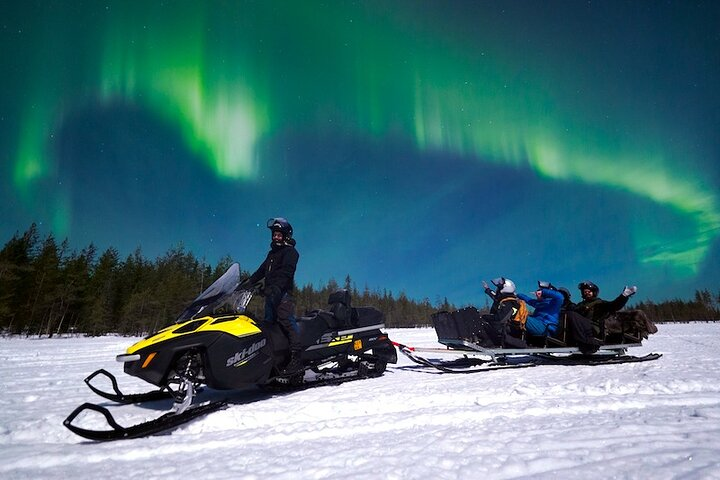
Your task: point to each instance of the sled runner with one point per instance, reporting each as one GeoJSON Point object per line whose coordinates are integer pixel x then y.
{"type": "Point", "coordinates": [464, 348]}
{"type": "Point", "coordinates": [216, 342]}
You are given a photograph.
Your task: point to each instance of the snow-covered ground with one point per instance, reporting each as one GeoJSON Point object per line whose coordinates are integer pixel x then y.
{"type": "Point", "coordinates": [657, 420]}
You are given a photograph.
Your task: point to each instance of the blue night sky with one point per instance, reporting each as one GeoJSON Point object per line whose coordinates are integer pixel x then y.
{"type": "Point", "coordinates": [418, 146]}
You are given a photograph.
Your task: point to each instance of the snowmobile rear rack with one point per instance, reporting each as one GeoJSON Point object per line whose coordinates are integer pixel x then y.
{"type": "Point", "coordinates": [164, 423]}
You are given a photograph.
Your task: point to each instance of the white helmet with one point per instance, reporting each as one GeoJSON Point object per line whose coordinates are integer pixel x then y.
{"type": "Point", "coordinates": [504, 285]}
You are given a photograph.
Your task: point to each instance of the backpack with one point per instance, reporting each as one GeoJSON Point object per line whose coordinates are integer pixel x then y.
{"type": "Point", "coordinates": [520, 314]}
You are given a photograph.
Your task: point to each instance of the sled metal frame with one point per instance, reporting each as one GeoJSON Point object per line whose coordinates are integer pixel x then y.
{"type": "Point", "coordinates": [457, 346]}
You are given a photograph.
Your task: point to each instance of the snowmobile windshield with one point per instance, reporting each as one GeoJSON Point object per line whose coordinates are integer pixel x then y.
{"type": "Point", "coordinates": [213, 296]}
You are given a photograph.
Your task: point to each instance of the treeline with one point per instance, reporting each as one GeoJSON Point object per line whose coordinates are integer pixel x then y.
{"type": "Point", "coordinates": [47, 289]}
{"type": "Point", "coordinates": [703, 306]}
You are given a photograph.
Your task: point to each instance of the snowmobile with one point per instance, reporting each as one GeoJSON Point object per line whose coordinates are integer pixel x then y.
{"type": "Point", "coordinates": [466, 352]}
{"type": "Point", "coordinates": [217, 342]}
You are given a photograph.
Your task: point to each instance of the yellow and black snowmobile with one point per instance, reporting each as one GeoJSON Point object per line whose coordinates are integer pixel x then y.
{"type": "Point", "coordinates": [216, 342]}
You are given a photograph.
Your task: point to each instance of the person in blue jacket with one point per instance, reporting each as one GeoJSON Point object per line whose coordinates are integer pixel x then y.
{"type": "Point", "coordinates": [547, 303]}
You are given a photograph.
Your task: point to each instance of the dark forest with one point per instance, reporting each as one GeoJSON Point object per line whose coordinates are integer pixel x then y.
{"type": "Point", "coordinates": [48, 289]}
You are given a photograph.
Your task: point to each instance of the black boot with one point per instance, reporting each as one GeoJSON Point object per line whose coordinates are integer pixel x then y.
{"type": "Point", "coordinates": [294, 366]}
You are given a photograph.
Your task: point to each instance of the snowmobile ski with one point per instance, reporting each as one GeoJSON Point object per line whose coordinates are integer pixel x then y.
{"type": "Point", "coordinates": [163, 424]}
{"type": "Point", "coordinates": [124, 398]}
{"type": "Point", "coordinates": [460, 365]}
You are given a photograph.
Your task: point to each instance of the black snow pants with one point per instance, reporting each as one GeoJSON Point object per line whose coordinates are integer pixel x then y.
{"type": "Point", "coordinates": [580, 333]}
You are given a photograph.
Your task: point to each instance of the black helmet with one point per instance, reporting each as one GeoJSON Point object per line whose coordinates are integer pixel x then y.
{"type": "Point", "coordinates": [588, 286]}
{"type": "Point", "coordinates": [281, 225]}
{"type": "Point", "coordinates": [565, 292]}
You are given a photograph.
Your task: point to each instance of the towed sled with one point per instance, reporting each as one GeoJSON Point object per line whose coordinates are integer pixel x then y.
{"type": "Point", "coordinates": [464, 352]}
{"type": "Point", "coordinates": [217, 343]}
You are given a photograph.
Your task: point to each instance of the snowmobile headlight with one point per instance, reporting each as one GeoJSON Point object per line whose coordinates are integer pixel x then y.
{"type": "Point", "coordinates": [128, 357]}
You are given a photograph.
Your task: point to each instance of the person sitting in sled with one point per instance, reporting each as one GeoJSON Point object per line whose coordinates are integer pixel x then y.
{"type": "Point", "coordinates": [578, 329]}
{"type": "Point", "coordinates": [597, 309]}
{"type": "Point", "coordinates": [503, 326]}
{"type": "Point", "coordinates": [567, 299]}
{"type": "Point", "coordinates": [546, 301]}
{"type": "Point", "coordinates": [278, 273]}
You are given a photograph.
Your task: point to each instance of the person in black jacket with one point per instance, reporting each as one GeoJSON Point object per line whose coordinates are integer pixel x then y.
{"type": "Point", "coordinates": [277, 274]}
{"type": "Point", "coordinates": [597, 309]}
{"type": "Point", "coordinates": [579, 329]}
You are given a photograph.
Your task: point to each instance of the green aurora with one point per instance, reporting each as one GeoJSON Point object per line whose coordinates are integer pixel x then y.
{"type": "Point", "coordinates": [230, 75]}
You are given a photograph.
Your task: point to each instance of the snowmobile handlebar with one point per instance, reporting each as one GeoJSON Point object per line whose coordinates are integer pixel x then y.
{"type": "Point", "coordinates": [241, 299]}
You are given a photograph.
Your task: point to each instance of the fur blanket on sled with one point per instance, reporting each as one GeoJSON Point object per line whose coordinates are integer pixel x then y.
{"type": "Point", "coordinates": [630, 321]}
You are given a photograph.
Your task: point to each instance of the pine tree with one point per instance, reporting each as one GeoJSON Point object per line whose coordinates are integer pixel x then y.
{"type": "Point", "coordinates": [102, 306]}
{"type": "Point", "coordinates": [16, 276]}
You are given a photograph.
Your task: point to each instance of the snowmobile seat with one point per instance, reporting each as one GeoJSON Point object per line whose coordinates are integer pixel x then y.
{"type": "Point", "coordinates": [340, 296]}
{"type": "Point", "coordinates": [342, 314]}
{"type": "Point", "coordinates": [367, 316]}
{"type": "Point", "coordinates": [313, 324]}
{"type": "Point", "coordinates": [340, 307]}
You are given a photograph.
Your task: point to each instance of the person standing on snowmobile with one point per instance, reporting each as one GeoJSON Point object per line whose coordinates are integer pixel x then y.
{"type": "Point", "coordinates": [278, 273]}
{"type": "Point", "coordinates": [597, 309]}
{"type": "Point", "coordinates": [547, 303]}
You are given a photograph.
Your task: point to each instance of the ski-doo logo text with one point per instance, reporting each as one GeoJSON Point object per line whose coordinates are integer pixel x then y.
{"type": "Point", "coordinates": [246, 354]}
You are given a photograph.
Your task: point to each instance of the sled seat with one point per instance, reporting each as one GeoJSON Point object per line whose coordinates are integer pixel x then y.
{"type": "Point", "coordinates": [557, 339]}
{"type": "Point", "coordinates": [461, 324]}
